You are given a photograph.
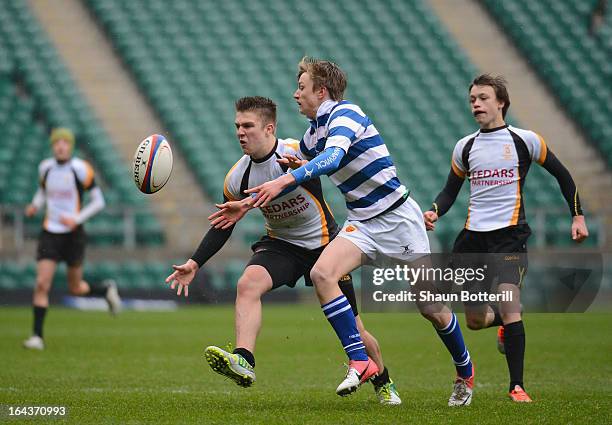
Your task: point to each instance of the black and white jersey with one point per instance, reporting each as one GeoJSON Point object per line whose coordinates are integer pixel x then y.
{"type": "Point", "coordinates": [301, 217]}
{"type": "Point", "coordinates": [496, 162]}
{"type": "Point", "coordinates": [62, 185]}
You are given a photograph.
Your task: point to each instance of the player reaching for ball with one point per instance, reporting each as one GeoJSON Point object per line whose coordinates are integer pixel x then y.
{"type": "Point", "coordinates": [496, 160]}
{"type": "Point", "coordinates": [382, 219]}
{"type": "Point", "coordinates": [63, 180]}
{"type": "Point", "coordinates": [299, 226]}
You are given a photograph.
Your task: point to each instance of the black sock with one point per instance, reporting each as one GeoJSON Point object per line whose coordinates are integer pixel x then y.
{"type": "Point", "coordinates": [39, 318]}
{"type": "Point", "coordinates": [514, 343]}
{"type": "Point", "coordinates": [382, 378]}
{"type": "Point", "coordinates": [97, 290]}
{"type": "Point", "coordinates": [497, 320]}
{"type": "Point", "coordinates": [248, 356]}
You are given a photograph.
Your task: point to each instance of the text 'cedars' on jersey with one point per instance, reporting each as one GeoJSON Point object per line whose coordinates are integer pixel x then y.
{"type": "Point", "coordinates": [496, 162]}
{"type": "Point", "coordinates": [366, 175]}
{"type": "Point", "coordinates": [63, 185]}
{"type": "Point", "coordinates": [301, 217]}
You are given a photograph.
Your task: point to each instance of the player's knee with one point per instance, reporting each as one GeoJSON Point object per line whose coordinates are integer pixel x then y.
{"type": "Point", "coordinates": [248, 287]}
{"type": "Point", "coordinates": [475, 322]}
{"type": "Point", "coordinates": [42, 286]}
{"type": "Point", "coordinates": [320, 276]}
{"type": "Point", "coordinates": [436, 319]}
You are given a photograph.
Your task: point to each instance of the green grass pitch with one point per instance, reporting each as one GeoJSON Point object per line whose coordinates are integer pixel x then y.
{"type": "Point", "coordinates": [149, 368]}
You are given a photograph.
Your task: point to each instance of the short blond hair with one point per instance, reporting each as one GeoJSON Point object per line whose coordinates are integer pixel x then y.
{"type": "Point", "coordinates": [62, 133]}
{"type": "Point", "coordinates": [324, 74]}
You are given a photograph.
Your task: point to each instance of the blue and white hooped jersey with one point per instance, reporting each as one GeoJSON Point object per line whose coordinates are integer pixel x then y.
{"type": "Point", "coordinates": [366, 176]}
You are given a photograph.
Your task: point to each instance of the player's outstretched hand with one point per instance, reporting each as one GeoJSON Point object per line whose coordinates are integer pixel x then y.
{"type": "Point", "coordinates": [230, 213]}
{"type": "Point", "coordinates": [269, 190]}
{"type": "Point", "coordinates": [30, 210]}
{"type": "Point", "coordinates": [579, 229]}
{"type": "Point", "coordinates": [291, 161]}
{"type": "Point", "coordinates": [430, 218]}
{"type": "Point", "coordinates": [182, 276]}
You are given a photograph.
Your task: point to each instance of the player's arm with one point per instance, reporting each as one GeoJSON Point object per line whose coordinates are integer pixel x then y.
{"type": "Point", "coordinates": [95, 205]}
{"type": "Point", "coordinates": [292, 161]}
{"type": "Point", "coordinates": [230, 212]}
{"type": "Point", "coordinates": [445, 199]}
{"type": "Point", "coordinates": [211, 243]}
{"type": "Point", "coordinates": [568, 188]}
{"type": "Point", "coordinates": [342, 133]}
{"type": "Point", "coordinates": [39, 197]}
{"type": "Point", "coordinates": [326, 162]}
{"type": "Point", "coordinates": [37, 202]}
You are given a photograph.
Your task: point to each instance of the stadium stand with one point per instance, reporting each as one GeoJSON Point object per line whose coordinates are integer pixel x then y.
{"type": "Point", "coordinates": [134, 276]}
{"type": "Point", "coordinates": [37, 93]}
{"type": "Point", "coordinates": [574, 62]}
{"type": "Point", "coordinates": [412, 82]}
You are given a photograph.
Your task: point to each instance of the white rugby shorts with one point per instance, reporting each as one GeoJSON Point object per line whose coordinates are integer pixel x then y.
{"type": "Point", "coordinates": [399, 233]}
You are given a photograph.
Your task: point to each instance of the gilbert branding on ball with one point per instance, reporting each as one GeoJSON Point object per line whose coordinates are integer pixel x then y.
{"type": "Point", "coordinates": [152, 164]}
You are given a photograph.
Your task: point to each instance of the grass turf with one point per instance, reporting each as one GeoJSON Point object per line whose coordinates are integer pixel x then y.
{"type": "Point", "coordinates": [149, 368]}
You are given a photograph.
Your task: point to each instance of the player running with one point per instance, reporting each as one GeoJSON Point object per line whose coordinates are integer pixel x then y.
{"type": "Point", "coordinates": [342, 142]}
{"type": "Point", "coordinates": [63, 179]}
{"type": "Point", "coordinates": [496, 160]}
{"type": "Point", "coordinates": [299, 226]}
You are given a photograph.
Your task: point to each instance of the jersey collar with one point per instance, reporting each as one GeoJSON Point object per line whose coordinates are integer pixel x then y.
{"type": "Point", "coordinates": [491, 130]}
{"type": "Point", "coordinates": [323, 113]}
{"type": "Point", "coordinates": [62, 162]}
{"type": "Point", "coordinates": [268, 156]}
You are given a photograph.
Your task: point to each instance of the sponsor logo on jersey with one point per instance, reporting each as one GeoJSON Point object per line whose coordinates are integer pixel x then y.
{"type": "Point", "coordinates": [56, 194]}
{"type": "Point", "coordinates": [496, 173]}
{"type": "Point", "coordinates": [284, 205]}
{"type": "Point", "coordinates": [285, 209]}
{"type": "Point", "coordinates": [496, 177]}
{"type": "Point", "coordinates": [350, 228]}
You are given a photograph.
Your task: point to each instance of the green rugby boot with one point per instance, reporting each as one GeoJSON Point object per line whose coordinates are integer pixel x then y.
{"type": "Point", "coordinates": [231, 365]}
{"type": "Point", "coordinates": [387, 394]}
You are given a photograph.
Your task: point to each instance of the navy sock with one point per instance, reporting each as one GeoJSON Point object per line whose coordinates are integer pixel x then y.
{"type": "Point", "coordinates": [453, 339]}
{"type": "Point", "coordinates": [248, 356]}
{"type": "Point", "coordinates": [340, 315]}
{"type": "Point", "coordinates": [514, 343]}
{"type": "Point", "coordinates": [39, 318]}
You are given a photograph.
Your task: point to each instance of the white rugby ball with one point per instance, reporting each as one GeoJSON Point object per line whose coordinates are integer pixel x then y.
{"type": "Point", "coordinates": [152, 164]}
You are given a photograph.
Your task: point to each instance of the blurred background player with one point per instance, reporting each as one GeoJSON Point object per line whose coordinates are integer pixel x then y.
{"type": "Point", "coordinates": [63, 180]}
{"type": "Point", "coordinates": [299, 226]}
{"type": "Point", "coordinates": [382, 218]}
{"type": "Point", "coordinates": [496, 160]}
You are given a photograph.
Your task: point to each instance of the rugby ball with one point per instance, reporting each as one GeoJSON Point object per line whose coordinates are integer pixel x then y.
{"type": "Point", "coordinates": [152, 164]}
